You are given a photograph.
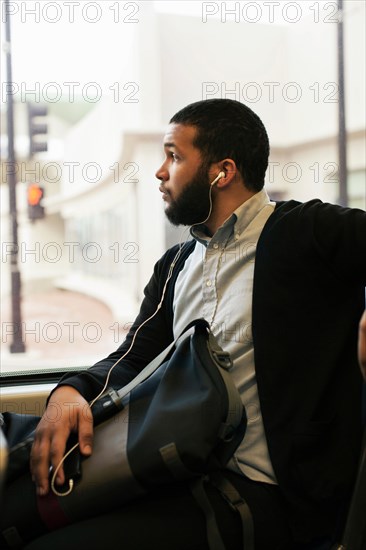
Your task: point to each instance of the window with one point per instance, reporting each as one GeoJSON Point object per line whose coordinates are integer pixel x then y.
{"type": "Point", "coordinates": [110, 90]}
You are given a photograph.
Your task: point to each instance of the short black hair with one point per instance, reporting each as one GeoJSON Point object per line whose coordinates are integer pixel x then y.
{"type": "Point", "coordinates": [229, 129]}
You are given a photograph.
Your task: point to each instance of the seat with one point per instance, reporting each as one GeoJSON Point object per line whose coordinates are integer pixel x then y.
{"type": "Point", "coordinates": [354, 535]}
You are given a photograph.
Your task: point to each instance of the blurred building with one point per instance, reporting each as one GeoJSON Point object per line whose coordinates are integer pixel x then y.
{"type": "Point", "coordinates": [105, 224]}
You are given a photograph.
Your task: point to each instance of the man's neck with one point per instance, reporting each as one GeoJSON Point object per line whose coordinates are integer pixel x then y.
{"type": "Point", "coordinates": [224, 207]}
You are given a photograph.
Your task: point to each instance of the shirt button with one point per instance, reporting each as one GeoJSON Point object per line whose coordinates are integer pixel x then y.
{"type": "Point", "coordinates": [208, 283]}
{"type": "Point", "coordinates": [216, 246]}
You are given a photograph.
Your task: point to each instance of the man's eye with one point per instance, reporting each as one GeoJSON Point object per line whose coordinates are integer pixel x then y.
{"type": "Point", "coordinates": [174, 156]}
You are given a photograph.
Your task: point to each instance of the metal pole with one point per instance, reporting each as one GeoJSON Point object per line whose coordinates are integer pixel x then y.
{"type": "Point", "coordinates": [17, 344]}
{"type": "Point", "coordinates": [342, 136]}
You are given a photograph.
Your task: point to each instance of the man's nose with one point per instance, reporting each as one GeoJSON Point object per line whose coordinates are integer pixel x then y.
{"type": "Point", "coordinates": [162, 173]}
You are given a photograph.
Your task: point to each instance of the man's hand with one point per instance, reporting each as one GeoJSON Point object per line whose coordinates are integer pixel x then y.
{"type": "Point", "coordinates": [362, 345]}
{"type": "Point", "coordinates": [66, 412]}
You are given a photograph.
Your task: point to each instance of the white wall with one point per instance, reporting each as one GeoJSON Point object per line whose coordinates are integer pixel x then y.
{"type": "Point", "coordinates": [215, 59]}
{"type": "Point", "coordinates": [297, 63]}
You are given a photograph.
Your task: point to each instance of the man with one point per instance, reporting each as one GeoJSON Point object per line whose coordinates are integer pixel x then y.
{"type": "Point", "coordinates": [282, 286]}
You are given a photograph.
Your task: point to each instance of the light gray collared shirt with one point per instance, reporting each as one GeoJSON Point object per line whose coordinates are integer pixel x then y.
{"type": "Point", "coordinates": [216, 283]}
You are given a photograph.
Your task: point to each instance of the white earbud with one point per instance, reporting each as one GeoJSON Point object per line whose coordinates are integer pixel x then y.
{"type": "Point", "coordinates": [219, 176]}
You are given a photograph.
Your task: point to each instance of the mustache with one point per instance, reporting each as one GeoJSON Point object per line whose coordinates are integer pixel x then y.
{"type": "Point", "coordinates": [163, 189]}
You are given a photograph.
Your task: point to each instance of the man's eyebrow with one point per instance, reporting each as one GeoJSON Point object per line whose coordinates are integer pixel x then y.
{"type": "Point", "coordinates": [172, 145]}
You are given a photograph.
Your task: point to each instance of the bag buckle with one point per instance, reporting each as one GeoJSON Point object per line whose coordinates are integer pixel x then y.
{"type": "Point", "coordinates": [223, 359]}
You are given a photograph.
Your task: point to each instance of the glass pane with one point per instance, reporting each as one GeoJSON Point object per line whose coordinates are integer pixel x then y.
{"type": "Point", "coordinates": [111, 75]}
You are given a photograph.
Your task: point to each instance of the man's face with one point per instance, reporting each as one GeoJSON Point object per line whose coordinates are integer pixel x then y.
{"type": "Point", "coordinates": [185, 180]}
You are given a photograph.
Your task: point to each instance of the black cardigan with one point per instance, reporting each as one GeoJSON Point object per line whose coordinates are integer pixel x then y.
{"type": "Point", "coordinates": [308, 297]}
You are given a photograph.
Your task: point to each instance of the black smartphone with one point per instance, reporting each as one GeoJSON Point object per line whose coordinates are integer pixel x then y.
{"type": "Point", "coordinates": [72, 464]}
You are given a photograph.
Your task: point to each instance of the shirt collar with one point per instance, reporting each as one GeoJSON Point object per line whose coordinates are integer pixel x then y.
{"type": "Point", "coordinates": [236, 223]}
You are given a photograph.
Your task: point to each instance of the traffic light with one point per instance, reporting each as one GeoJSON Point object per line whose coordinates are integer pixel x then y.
{"type": "Point", "coordinates": [37, 128]}
{"type": "Point", "coordinates": [35, 194]}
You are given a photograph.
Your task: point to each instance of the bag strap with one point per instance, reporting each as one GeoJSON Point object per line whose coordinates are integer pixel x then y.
{"type": "Point", "coordinates": [155, 363]}
{"type": "Point", "coordinates": [237, 503]}
{"type": "Point", "coordinates": [112, 401]}
{"type": "Point", "coordinates": [214, 539]}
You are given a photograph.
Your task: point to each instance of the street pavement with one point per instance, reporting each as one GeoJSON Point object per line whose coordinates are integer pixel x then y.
{"type": "Point", "coordinates": [61, 329]}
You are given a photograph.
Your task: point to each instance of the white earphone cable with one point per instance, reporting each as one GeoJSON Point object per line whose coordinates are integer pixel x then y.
{"type": "Point", "coordinates": [170, 273]}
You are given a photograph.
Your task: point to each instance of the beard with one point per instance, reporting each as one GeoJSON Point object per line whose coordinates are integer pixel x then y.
{"type": "Point", "coordinates": [192, 206]}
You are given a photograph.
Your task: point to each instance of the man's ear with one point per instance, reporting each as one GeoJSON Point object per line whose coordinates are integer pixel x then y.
{"type": "Point", "coordinates": [230, 171]}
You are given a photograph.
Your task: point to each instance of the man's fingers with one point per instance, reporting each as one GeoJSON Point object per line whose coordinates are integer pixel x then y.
{"type": "Point", "coordinates": [39, 462]}
{"type": "Point", "coordinates": [85, 430]}
{"type": "Point", "coordinates": [47, 450]}
{"type": "Point", "coordinates": [67, 412]}
{"type": "Point", "coordinates": [57, 451]}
